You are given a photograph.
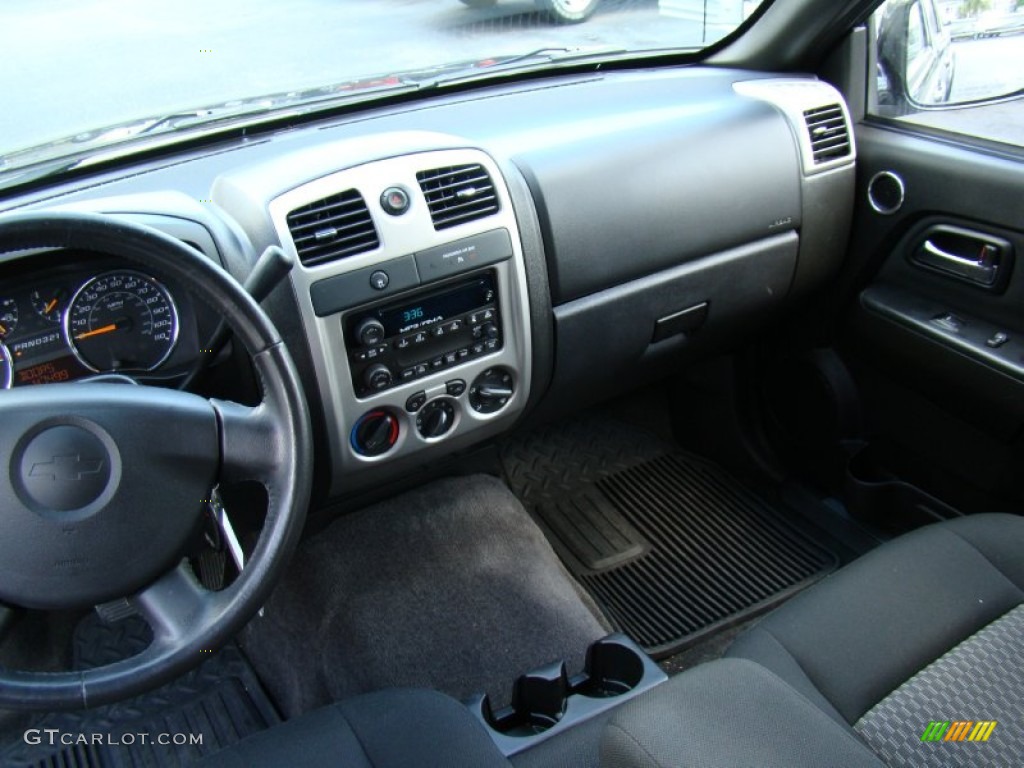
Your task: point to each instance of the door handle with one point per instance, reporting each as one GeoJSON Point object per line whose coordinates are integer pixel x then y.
{"type": "Point", "coordinates": [972, 256]}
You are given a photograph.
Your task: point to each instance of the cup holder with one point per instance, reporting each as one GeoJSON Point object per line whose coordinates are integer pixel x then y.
{"type": "Point", "coordinates": [547, 700]}
{"type": "Point", "coordinates": [613, 669]}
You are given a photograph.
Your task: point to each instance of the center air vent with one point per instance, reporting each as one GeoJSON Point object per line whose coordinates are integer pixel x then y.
{"type": "Point", "coordinates": [830, 137]}
{"type": "Point", "coordinates": [332, 228]}
{"type": "Point", "coordinates": [457, 194]}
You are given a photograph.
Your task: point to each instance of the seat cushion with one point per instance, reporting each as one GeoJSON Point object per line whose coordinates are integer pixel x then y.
{"type": "Point", "coordinates": [389, 728]}
{"type": "Point", "coordinates": [855, 637]}
{"type": "Point", "coordinates": [730, 712]}
{"type": "Point", "coordinates": [973, 693]}
{"type": "Point", "coordinates": [922, 636]}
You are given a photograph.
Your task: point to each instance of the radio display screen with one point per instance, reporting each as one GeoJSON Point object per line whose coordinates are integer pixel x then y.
{"type": "Point", "coordinates": [435, 308]}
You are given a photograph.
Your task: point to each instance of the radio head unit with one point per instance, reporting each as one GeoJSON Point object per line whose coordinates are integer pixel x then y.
{"type": "Point", "coordinates": [421, 333]}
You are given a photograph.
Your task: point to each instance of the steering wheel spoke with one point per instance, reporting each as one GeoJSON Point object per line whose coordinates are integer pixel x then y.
{"type": "Point", "coordinates": [175, 605]}
{"type": "Point", "coordinates": [249, 441]}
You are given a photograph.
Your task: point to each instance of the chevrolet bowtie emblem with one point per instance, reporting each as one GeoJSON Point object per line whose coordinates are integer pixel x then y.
{"type": "Point", "coordinates": [68, 468]}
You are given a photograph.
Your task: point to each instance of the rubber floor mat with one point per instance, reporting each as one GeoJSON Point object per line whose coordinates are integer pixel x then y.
{"type": "Point", "coordinates": [670, 546]}
{"type": "Point", "coordinates": [216, 704]}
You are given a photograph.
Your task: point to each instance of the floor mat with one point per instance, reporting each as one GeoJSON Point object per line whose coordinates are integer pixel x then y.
{"type": "Point", "coordinates": [451, 586]}
{"type": "Point", "coordinates": [670, 546]}
{"type": "Point", "coordinates": [214, 705]}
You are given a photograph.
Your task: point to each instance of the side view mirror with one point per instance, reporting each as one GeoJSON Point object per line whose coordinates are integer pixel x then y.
{"type": "Point", "coordinates": [916, 60]}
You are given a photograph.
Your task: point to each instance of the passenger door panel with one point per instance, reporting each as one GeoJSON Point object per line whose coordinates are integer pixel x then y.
{"type": "Point", "coordinates": [935, 331]}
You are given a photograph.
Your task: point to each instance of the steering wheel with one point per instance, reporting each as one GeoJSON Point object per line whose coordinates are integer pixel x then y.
{"type": "Point", "coordinates": [103, 484]}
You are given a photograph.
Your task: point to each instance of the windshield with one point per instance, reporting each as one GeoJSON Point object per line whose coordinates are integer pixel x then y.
{"type": "Point", "coordinates": [92, 73]}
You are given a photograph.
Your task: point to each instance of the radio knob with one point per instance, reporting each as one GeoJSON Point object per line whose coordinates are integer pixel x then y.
{"type": "Point", "coordinates": [490, 331]}
{"type": "Point", "coordinates": [370, 332]}
{"type": "Point", "coordinates": [377, 377]}
{"type": "Point", "coordinates": [491, 390]}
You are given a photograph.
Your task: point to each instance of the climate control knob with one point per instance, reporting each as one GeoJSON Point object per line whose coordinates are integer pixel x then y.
{"type": "Point", "coordinates": [491, 390]}
{"type": "Point", "coordinates": [436, 418]}
{"type": "Point", "coordinates": [375, 433]}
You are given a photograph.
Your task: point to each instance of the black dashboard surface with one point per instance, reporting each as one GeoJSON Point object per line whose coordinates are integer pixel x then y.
{"type": "Point", "coordinates": [628, 177]}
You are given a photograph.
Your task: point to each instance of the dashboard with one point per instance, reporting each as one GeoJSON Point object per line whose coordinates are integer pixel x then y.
{"type": "Point", "coordinates": [461, 265]}
{"type": "Point", "coordinates": [66, 315]}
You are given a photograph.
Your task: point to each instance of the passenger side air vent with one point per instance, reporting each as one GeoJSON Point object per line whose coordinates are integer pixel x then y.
{"type": "Point", "coordinates": [830, 136]}
{"type": "Point", "coordinates": [457, 194]}
{"type": "Point", "coordinates": [332, 228]}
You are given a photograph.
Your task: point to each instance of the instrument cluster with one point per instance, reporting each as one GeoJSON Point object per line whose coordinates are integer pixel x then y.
{"type": "Point", "coordinates": [71, 321]}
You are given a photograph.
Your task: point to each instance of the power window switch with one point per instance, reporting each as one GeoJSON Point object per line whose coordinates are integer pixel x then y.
{"type": "Point", "coordinates": [949, 322]}
{"type": "Point", "coordinates": [997, 340]}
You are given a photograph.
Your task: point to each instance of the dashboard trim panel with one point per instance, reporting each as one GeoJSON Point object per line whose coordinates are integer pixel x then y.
{"type": "Point", "coordinates": [403, 237]}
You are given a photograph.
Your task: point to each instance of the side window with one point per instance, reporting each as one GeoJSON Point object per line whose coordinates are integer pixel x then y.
{"type": "Point", "coordinates": [952, 66]}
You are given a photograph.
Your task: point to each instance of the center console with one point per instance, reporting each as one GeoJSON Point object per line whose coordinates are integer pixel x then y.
{"type": "Point", "coordinates": [411, 287]}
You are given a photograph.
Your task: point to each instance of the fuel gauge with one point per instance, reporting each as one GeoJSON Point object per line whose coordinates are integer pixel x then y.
{"type": "Point", "coordinates": [49, 304]}
{"type": "Point", "coordinates": [8, 317]}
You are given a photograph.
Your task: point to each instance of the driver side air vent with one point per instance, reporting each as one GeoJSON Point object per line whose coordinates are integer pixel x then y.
{"type": "Point", "coordinates": [830, 136]}
{"type": "Point", "coordinates": [332, 228]}
{"type": "Point", "coordinates": [457, 194]}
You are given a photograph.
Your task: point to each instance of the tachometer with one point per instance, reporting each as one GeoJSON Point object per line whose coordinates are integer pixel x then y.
{"type": "Point", "coordinates": [6, 367]}
{"type": "Point", "coordinates": [122, 321]}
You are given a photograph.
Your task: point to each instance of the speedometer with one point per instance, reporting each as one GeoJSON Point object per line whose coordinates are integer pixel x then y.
{"type": "Point", "coordinates": [122, 321]}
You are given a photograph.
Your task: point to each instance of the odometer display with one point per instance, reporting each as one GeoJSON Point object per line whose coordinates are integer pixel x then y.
{"type": "Point", "coordinates": [122, 321]}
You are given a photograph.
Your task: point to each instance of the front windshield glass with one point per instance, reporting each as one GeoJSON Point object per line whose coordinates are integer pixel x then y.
{"type": "Point", "coordinates": [82, 74]}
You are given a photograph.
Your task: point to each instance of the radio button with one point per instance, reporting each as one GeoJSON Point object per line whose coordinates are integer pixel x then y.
{"type": "Point", "coordinates": [408, 374]}
{"type": "Point", "coordinates": [421, 369]}
{"type": "Point", "coordinates": [463, 353]}
{"type": "Point", "coordinates": [403, 343]}
{"type": "Point", "coordinates": [419, 338]}
{"type": "Point", "coordinates": [438, 330]}
{"type": "Point", "coordinates": [477, 349]}
{"type": "Point", "coordinates": [362, 355]}
{"type": "Point", "coordinates": [453, 326]}
{"type": "Point", "coordinates": [436, 363]}
{"type": "Point", "coordinates": [415, 401]}
{"type": "Point", "coordinates": [450, 358]}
